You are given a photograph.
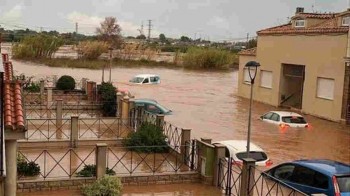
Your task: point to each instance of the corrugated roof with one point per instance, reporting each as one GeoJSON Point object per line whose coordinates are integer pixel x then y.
{"type": "Point", "coordinates": [13, 109]}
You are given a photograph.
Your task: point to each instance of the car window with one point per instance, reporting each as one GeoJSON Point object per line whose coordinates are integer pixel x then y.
{"type": "Point", "coordinates": [154, 79]}
{"type": "Point", "coordinates": [293, 119]}
{"type": "Point", "coordinates": [268, 115]}
{"type": "Point", "coordinates": [257, 155]}
{"type": "Point", "coordinates": [284, 172]}
{"type": "Point", "coordinates": [320, 181]}
{"type": "Point", "coordinates": [145, 81]}
{"type": "Point", "coordinates": [303, 176]}
{"type": "Point", "coordinates": [275, 117]}
{"type": "Point", "coordinates": [136, 80]}
{"type": "Point", "coordinates": [153, 109]}
{"type": "Point", "coordinates": [227, 152]}
{"type": "Point", "coordinates": [344, 184]}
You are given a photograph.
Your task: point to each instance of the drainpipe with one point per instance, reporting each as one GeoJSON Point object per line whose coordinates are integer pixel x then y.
{"type": "Point", "coordinates": [347, 58]}
{"type": "Point", "coordinates": [2, 121]}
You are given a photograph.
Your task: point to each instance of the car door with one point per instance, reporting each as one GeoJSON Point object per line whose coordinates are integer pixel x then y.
{"type": "Point", "coordinates": [309, 181]}
{"type": "Point", "coordinates": [275, 118]}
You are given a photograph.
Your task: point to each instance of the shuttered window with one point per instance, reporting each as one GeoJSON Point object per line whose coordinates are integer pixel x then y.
{"type": "Point", "coordinates": [325, 88]}
{"type": "Point", "coordinates": [266, 79]}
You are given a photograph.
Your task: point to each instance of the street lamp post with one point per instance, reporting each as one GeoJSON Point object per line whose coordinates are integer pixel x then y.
{"type": "Point", "coordinates": [251, 66]}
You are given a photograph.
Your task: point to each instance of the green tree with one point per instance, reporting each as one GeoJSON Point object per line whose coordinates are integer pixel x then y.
{"type": "Point", "coordinates": [110, 32]}
{"type": "Point", "coordinates": [162, 38]}
{"type": "Point", "coordinates": [185, 39]}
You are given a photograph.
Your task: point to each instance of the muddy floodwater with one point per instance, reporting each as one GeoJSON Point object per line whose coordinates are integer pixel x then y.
{"type": "Point", "coordinates": [207, 103]}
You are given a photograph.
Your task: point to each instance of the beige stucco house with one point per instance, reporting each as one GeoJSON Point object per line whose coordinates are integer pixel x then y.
{"type": "Point", "coordinates": [305, 65]}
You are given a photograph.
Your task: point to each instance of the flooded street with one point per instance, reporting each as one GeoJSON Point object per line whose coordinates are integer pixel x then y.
{"type": "Point", "coordinates": [207, 103]}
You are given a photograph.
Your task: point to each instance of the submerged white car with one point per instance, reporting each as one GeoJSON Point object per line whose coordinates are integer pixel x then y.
{"type": "Point", "coordinates": [145, 79]}
{"type": "Point", "coordinates": [237, 149]}
{"type": "Point", "coordinates": [285, 119]}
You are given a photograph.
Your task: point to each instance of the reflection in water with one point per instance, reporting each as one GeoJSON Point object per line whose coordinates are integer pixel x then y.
{"type": "Point", "coordinates": [207, 103]}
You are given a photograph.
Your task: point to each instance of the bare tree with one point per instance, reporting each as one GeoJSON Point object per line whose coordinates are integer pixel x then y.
{"type": "Point", "coordinates": [110, 32]}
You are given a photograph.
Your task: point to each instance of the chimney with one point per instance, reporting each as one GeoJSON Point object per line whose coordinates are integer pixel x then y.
{"type": "Point", "coordinates": [299, 10]}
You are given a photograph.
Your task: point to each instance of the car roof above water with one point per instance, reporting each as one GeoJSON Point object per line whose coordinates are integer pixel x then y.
{"type": "Point", "coordinates": [240, 145]}
{"type": "Point", "coordinates": [324, 166]}
{"type": "Point", "coordinates": [286, 113]}
{"type": "Point", "coordinates": [146, 75]}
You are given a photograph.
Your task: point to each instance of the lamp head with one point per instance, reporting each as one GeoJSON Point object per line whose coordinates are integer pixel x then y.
{"type": "Point", "coordinates": [252, 64]}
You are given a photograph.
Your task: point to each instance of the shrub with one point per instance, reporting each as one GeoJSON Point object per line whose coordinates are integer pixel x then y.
{"type": "Point", "coordinates": [109, 99]}
{"type": "Point", "coordinates": [90, 171]}
{"type": "Point", "coordinates": [65, 83]}
{"type": "Point", "coordinates": [92, 49]}
{"type": "Point", "coordinates": [207, 58]}
{"type": "Point", "coordinates": [25, 168]}
{"type": "Point", "coordinates": [105, 186]}
{"type": "Point", "coordinates": [37, 46]}
{"type": "Point", "coordinates": [148, 138]}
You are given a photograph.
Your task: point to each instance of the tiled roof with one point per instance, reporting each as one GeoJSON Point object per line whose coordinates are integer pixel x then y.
{"type": "Point", "coordinates": [328, 26]}
{"type": "Point", "coordinates": [248, 52]}
{"type": "Point", "coordinates": [13, 109]}
{"type": "Point", "coordinates": [316, 15]}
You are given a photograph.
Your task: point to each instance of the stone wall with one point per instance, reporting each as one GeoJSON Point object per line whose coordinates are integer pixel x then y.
{"type": "Point", "coordinates": [76, 183]}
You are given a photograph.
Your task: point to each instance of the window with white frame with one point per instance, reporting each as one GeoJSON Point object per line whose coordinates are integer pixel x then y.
{"type": "Point", "coordinates": [246, 78]}
{"type": "Point", "coordinates": [346, 21]}
{"type": "Point", "coordinates": [300, 23]}
{"type": "Point", "coordinates": [325, 88]}
{"type": "Point", "coordinates": [266, 79]}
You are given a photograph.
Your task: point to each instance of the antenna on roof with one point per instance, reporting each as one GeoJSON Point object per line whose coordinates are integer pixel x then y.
{"type": "Point", "coordinates": [312, 8]}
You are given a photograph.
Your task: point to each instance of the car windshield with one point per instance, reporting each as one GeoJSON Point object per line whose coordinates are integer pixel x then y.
{"type": "Point", "coordinates": [294, 119]}
{"type": "Point", "coordinates": [344, 183]}
{"type": "Point", "coordinates": [257, 155]}
{"type": "Point", "coordinates": [136, 80]}
{"type": "Point", "coordinates": [164, 109]}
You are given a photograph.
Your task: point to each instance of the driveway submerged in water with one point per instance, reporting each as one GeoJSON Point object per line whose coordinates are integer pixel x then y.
{"type": "Point", "coordinates": [207, 103]}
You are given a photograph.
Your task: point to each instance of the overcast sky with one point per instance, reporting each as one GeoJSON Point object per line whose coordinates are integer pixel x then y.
{"type": "Point", "coordinates": [209, 19]}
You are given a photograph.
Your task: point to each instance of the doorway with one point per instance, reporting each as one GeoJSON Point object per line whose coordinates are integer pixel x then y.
{"type": "Point", "coordinates": [292, 85]}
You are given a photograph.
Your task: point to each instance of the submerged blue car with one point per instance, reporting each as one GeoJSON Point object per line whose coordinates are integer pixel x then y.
{"type": "Point", "coordinates": [315, 176]}
{"type": "Point", "coordinates": [152, 106]}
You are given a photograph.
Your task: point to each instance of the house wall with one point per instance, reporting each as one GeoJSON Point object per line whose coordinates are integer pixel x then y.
{"type": "Point", "coordinates": [322, 56]}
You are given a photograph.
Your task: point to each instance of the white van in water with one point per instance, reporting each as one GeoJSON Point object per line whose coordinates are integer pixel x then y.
{"type": "Point", "coordinates": [145, 79]}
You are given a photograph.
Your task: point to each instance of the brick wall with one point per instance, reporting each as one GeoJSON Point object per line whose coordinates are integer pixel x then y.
{"type": "Point", "coordinates": [76, 183]}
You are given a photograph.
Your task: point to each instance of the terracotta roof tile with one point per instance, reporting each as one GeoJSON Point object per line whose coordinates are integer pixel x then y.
{"type": "Point", "coordinates": [329, 26]}
{"type": "Point", "coordinates": [248, 52]}
{"type": "Point", "coordinates": [316, 15]}
{"type": "Point", "coordinates": [13, 109]}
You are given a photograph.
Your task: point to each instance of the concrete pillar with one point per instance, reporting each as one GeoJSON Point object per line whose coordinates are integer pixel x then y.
{"type": "Point", "coordinates": [219, 153]}
{"type": "Point", "coordinates": [42, 89]}
{"type": "Point", "coordinates": [160, 120]}
{"type": "Point", "coordinates": [54, 81]}
{"type": "Point", "coordinates": [59, 118]}
{"type": "Point", "coordinates": [125, 108]}
{"type": "Point", "coordinates": [247, 177]}
{"type": "Point", "coordinates": [131, 112]}
{"type": "Point", "coordinates": [83, 84]}
{"type": "Point", "coordinates": [11, 167]}
{"type": "Point", "coordinates": [185, 137]}
{"type": "Point", "coordinates": [206, 140]}
{"type": "Point", "coordinates": [119, 103]}
{"type": "Point", "coordinates": [49, 102]}
{"type": "Point", "coordinates": [101, 159]}
{"type": "Point", "coordinates": [74, 131]}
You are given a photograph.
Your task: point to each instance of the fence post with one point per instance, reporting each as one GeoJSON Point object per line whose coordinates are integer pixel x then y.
{"type": "Point", "coordinates": [49, 102]}
{"type": "Point", "coordinates": [125, 108]}
{"type": "Point", "coordinates": [119, 103]}
{"type": "Point", "coordinates": [185, 137]}
{"type": "Point", "coordinates": [131, 112]}
{"type": "Point", "coordinates": [160, 120]}
{"type": "Point", "coordinates": [206, 140]}
{"type": "Point", "coordinates": [247, 177]}
{"type": "Point", "coordinates": [59, 118]}
{"type": "Point", "coordinates": [101, 159]}
{"type": "Point", "coordinates": [42, 89]}
{"type": "Point", "coordinates": [54, 81]}
{"type": "Point", "coordinates": [83, 84]}
{"type": "Point", "coordinates": [74, 131]}
{"type": "Point", "coordinates": [219, 153]}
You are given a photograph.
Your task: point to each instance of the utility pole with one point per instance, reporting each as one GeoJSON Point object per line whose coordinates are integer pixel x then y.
{"type": "Point", "coordinates": [76, 28]}
{"type": "Point", "coordinates": [149, 29]}
{"type": "Point", "coordinates": [141, 28]}
{"type": "Point", "coordinates": [247, 41]}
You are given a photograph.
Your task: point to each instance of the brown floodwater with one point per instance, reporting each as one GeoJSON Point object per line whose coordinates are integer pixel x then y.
{"type": "Point", "coordinates": [207, 102]}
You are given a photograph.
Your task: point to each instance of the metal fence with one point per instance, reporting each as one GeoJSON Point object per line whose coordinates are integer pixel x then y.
{"type": "Point", "coordinates": [103, 128]}
{"type": "Point", "coordinates": [125, 161]}
{"type": "Point", "coordinates": [58, 163]}
{"type": "Point", "coordinates": [48, 129]}
{"type": "Point", "coordinates": [173, 134]}
{"type": "Point", "coordinates": [229, 178]}
{"type": "Point", "coordinates": [265, 184]}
